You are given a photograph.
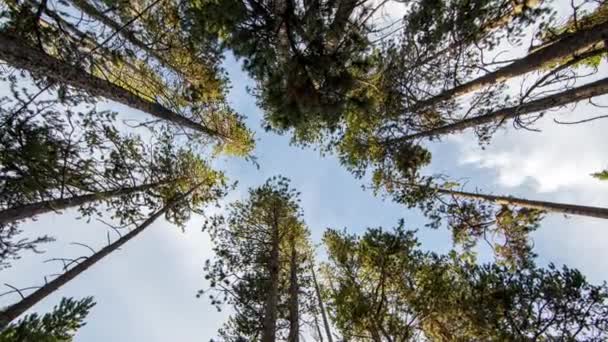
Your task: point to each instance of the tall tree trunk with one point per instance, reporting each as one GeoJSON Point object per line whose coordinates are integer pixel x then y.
{"type": "Point", "coordinates": [572, 45]}
{"type": "Point", "coordinates": [21, 56]}
{"type": "Point", "coordinates": [318, 327]}
{"type": "Point", "coordinates": [294, 319]}
{"type": "Point", "coordinates": [270, 310]}
{"type": "Point", "coordinates": [15, 310]}
{"type": "Point", "coordinates": [33, 209]}
{"type": "Point", "coordinates": [321, 306]}
{"type": "Point", "coordinates": [92, 11]}
{"type": "Point", "coordinates": [563, 208]}
{"type": "Point", "coordinates": [584, 92]}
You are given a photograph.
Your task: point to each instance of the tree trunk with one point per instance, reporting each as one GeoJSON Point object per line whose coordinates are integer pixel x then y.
{"type": "Point", "coordinates": [15, 310]}
{"type": "Point", "coordinates": [576, 43]}
{"type": "Point", "coordinates": [563, 208]}
{"type": "Point", "coordinates": [270, 310]}
{"type": "Point", "coordinates": [294, 319]}
{"type": "Point", "coordinates": [584, 92]}
{"type": "Point", "coordinates": [21, 56]}
{"type": "Point", "coordinates": [321, 306]}
{"type": "Point", "coordinates": [92, 11]}
{"type": "Point", "coordinates": [33, 209]}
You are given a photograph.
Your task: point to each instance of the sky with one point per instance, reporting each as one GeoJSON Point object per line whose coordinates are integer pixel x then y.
{"type": "Point", "coordinates": [146, 291]}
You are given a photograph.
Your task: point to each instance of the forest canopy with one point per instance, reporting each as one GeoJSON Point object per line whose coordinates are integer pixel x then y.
{"type": "Point", "coordinates": [131, 116]}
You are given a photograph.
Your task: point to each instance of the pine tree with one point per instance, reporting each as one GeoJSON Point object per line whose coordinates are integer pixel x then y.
{"type": "Point", "coordinates": [58, 326]}
{"type": "Point", "coordinates": [387, 289]}
{"type": "Point", "coordinates": [261, 248]}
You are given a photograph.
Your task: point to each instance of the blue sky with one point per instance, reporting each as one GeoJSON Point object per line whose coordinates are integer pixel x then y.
{"type": "Point", "coordinates": [146, 291]}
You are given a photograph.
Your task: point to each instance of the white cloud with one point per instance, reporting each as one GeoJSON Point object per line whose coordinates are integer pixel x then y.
{"type": "Point", "coordinates": [557, 158]}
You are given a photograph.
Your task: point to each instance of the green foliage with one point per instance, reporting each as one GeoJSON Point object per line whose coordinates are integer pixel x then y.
{"type": "Point", "coordinates": [602, 175]}
{"type": "Point", "coordinates": [58, 326]}
{"type": "Point", "coordinates": [384, 288]}
{"type": "Point", "coordinates": [240, 274]}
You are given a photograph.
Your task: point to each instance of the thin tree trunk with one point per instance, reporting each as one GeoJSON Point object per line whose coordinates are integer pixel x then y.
{"type": "Point", "coordinates": [321, 306]}
{"type": "Point", "coordinates": [21, 56]}
{"type": "Point", "coordinates": [563, 208]}
{"type": "Point", "coordinates": [270, 310]}
{"type": "Point", "coordinates": [294, 319]}
{"type": "Point", "coordinates": [584, 92]}
{"type": "Point", "coordinates": [92, 11]}
{"type": "Point", "coordinates": [318, 327]}
{"type": "Point", "coordinates": [15, 310]}
{"type": "Point", "coordinates": [572, 45]}
{"type": "Point", "coordinates": [33, 209]}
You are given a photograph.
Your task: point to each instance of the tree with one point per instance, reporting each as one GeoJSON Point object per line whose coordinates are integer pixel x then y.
{"type": "Point", "coordinates": [58, 326]}
{"type": "Point", "coordinates": [86, 64]}
{"type": "Point", "coordinates": [260, 250]}
{"type": "Point", "coordinates": [387, 289]}
{"type": "Point", "coordinates": [178, 202]}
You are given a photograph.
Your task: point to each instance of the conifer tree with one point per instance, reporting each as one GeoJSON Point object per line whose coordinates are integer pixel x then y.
{"type": "Point", "coordinates": [261, 248]}
{"type": "Point", "coordinates": [60, 325]}
{"type": "Point", "coordinates": [387, 289]}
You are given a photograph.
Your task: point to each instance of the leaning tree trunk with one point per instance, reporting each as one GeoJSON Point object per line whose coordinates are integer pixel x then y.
{"type": "Point", "coordinates": [294, 319]}
{"type": "Point", "coordinates": [22, 56]}
{"type": "Point", "coordinates": [93, 12]}
{"type": "Point", "coordinates": [88, 8]}
{"type": "Point", "coordinates": [572, 45]}
{"type": "Point", "coordinates": [15, 310]}
{"type": "Point", "coordinates": [321, 306]}
{"type": "Point", "coordinates": [270, 309]}
{"type": "Point", "coordinates": [33, 209]}
{"type": "Point", "coordinates": [584, 92]}
{"type": "Point", "coordinates": [563, 208]}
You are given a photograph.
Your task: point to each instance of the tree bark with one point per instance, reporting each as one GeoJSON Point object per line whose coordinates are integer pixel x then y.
{"type": "Point", "coordinates": [33, 209]}
{"type": "Point", "coordinates": [15, 310]}
{"type": "Point", "coordinates": [563, 208]}
{"type": "Point", "coordinates": [294, 319]}
{"type": "Point", "coordinates": [270, 310]}
{"type": "Point", "coordinates": [321, 306]}
{"type": "Point", "coordinates": [584, 92]}
{"type": "Point", "coordinates": [572, 45]}
{"type": "Point", "coordinates": [40, 64]}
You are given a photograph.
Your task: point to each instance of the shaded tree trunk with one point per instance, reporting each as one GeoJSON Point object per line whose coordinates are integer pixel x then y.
{"type": "Point", "coordinates": [270, 310]}
{"type": "Point", "coordinates": [563, 208]}
{"type": "Point", "coordinates": [21, 56]}
{"type": "Point", "coordinates": [321, 306]}
{"type": "Point", "coordinates": [33, 209]}
{"type": "Point", "coordinates": [584, 92]}
{"type": "Point", "coordinates": [12, 312]}
{"type": "Point", "coordinates": [576, 43]}
{"type": "Point", "coordinates": [294, 319]}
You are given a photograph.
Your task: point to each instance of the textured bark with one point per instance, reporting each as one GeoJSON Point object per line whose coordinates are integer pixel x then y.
{"type": "Point", "coordinates": [270, 309]}
{"type": "Point", "coordinates": [294, 319]}
{"type": "Point", "coordinates": [12, 312]}
{"type": "Point", "coordinates": [33, 209]}
{"type": "Point", "coordinates": [572, 45]}
{"type": "Point", "coordinates": [566, 97]}
{"type": "Point", "coordinates": [21, 56]}
{"type": "Point", "coordinates": [563, 208]}
{"type": "Point", "coordinates": [321, 306]}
